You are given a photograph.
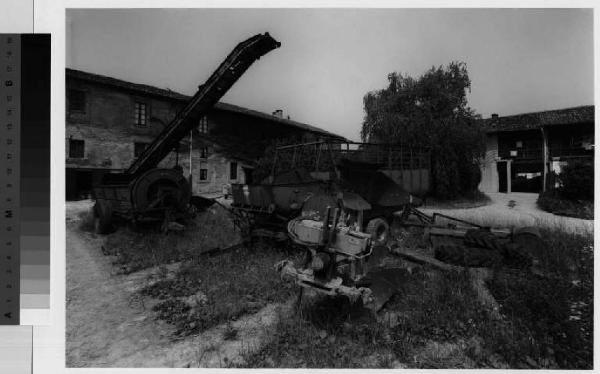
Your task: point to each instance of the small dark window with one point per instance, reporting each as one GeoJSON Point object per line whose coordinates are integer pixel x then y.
{"type": "Point", "coordinates": [203, 174]}
{"type": "Point", "coordinates": [140, 114]}
{"type": "Point", "coordinates": [76, 100]}
{"type": "Point", "coordinates": [138, 148]}
{"type": "Point", "coordinates": [203, 152]}
{"type": "Point", "coordinates": [76, 148]}
{"type": "Point", "coordinates": [203, 125]}
{"type": "Point", "coordinates": [233, 170]}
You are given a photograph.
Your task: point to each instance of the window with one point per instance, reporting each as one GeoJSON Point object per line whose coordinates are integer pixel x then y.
{"type": "Point", "coordinates": [203, 174]}
{"type": "Point", "coordinates": [203, 152]}
{"type": "Point", "coordinates": [140, 114]}
{"type": "Point", "coordinates": [76, 148]}
{"type": "Point", "coordinates": [138, 148]}
{"type": "Point", "coordinates": [76, 100]}
{"type": "Point", "coordinates": [233, 171]}
{"type": "Point", "coordinates": [203, 125]}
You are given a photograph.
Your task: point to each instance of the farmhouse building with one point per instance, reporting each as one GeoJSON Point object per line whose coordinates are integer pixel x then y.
{"type": "Point", "coordinates": [524, 152]}
{"type": "Point", "coordinates": [110, 121]}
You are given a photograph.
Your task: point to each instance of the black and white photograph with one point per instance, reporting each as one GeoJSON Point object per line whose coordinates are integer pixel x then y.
{"type": "Point", "coordinates": [407, 188]}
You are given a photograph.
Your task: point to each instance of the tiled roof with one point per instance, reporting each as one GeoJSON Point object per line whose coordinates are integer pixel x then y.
{"type": "Point", "coordinates": [535, 120]}
{"type": "Point", "coordinates": [168, 94]}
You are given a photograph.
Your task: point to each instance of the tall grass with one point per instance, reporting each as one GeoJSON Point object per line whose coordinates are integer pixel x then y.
{"type": "Point", "coordinates": [134, 251]}
{"type": "Point", "coordinates": [440, 323]}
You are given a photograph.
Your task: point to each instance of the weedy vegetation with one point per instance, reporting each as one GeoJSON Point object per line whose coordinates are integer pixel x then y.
{"type": "Point", "coordinates": [437, 321]}
{"type": "Point", "coordinates": [213, 290]}
{"type": "Point", "coordinates": [137, 250]}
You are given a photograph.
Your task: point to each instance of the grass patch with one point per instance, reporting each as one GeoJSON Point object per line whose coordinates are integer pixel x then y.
{"type": "Point", "coordinates": [550, 319]}
{"type": "Point", "coordinates": [134, 251]}
{"type": "Point", "coordinates": [438, 321]}
{"type": "Point", "coordinates": [333, 334]}
{"type": "Point", "coordinates": [552, 203]}
{"type": "Point", "coordinates": [328, 334]}
{"type": "Point", "coordinates": [476, 200]}
{"type": "Point", "coordinates": [215, 290]}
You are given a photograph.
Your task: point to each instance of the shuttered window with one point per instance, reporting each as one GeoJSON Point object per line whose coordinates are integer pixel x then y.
{"type": "Point", "coordinates": [140, 114]}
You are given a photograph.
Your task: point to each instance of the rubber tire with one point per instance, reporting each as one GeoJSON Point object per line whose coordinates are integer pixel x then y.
{"type": "Point", "coordinates": [467, 256]}
{"type": "Point", "coordinates": [374, 227]}
{"type": "Point", "coordinates": [102, 217]}
{"type": "Point", "coordinates": [484, 239]}
{"type": "Point", "coordinates": [514, 254]}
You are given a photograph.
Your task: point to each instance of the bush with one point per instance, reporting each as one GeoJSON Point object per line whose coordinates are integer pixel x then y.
{"type": "Point", "coordinates": [550, 201]}
{"type": "Point", "coordinates": [577, 181]}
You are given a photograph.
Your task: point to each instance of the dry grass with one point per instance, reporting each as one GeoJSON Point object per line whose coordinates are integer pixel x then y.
{"type": "Point", "coordinates": [479, 199]}
{"type": "Point", "coordinates": [215, 290]}
{"type": "Point", "coordinates": [440, 323]}
{"type": "Point", "coordinates": [134, 251]}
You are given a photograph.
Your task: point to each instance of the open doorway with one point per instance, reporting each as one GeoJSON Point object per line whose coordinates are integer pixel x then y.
{"type": "Point", "coordinates": [247, 175]}
{"type": "Point", "coordinates": [502, 177]}
{"type": "Point", "coordinates": [527, 176]}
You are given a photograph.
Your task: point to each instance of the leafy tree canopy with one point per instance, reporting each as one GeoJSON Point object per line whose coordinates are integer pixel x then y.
{"type": "Point", "coordinates": [431, 111]}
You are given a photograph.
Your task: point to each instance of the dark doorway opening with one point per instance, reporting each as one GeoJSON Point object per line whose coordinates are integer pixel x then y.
{"type": "Point", "coordinates": [79, 182]}
{"type": "Point", "coordinates": [527, 176]}
{"type": "Point", "coordinates": [247, 175]}
{"type": "Point", "coordinates": [502, 180]}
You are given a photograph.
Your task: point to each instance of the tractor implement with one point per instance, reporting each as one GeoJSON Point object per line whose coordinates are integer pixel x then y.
{"type": "Point", "coordinates": [145, 192]}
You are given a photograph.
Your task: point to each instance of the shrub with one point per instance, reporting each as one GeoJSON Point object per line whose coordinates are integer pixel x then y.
{"type": "Point", "coordinates": [550, 201]}
{"type": "Point", "coordinates": [577, 181]}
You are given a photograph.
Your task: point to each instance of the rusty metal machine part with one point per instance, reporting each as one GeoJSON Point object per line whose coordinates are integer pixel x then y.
{"type": "Point", "coordinates": [144, 190]}
{"type": "Point", "coordinates": [230, 70]}
{"type": "Point", "coordinates": [160, 188]}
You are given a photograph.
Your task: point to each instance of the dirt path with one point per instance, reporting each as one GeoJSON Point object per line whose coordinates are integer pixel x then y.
{"type": "Point", "coordinates": [516, 209]}
{"type": "Point", "coordinates": [109, 326]}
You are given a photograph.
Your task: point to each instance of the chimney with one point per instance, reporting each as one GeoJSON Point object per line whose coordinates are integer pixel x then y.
{"type": "Point", "coordinates": [278, 113]}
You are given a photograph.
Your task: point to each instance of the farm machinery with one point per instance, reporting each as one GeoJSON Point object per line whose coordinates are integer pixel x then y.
{"type": "Point", "coordinates": [367, 182]}
{"type": "Point", "coordinates": [145, 192]}
{"type": "Point", "coordinates": [342, 260]}
{"type": "Point", "coordinates": [339, 201]}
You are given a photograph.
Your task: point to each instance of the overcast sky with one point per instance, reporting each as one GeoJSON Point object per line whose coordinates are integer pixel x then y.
{"type": "Point", "coordinates": [518, 60]}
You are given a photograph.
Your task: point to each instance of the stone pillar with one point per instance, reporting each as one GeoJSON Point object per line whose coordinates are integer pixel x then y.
{"type": "Point", "coordinates": [544, 157]}
{"type": "Point", "coordinates": [508, 173]}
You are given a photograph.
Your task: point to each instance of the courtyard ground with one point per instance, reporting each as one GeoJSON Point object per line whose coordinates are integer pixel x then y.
{"type": "Point", "coordinates": [125, 309]}
{"type": "Point", "coordinates": [516, 209]}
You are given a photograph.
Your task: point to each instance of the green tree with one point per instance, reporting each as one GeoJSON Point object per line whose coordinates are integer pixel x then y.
{"type": "Point", "coordinates": [432, 112]}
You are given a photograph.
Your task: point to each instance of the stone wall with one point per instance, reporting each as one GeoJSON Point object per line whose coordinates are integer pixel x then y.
{"type": "Point", "coordinates": [107, 126]}
{"type": "Point", "coordinates": [109, 133]}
